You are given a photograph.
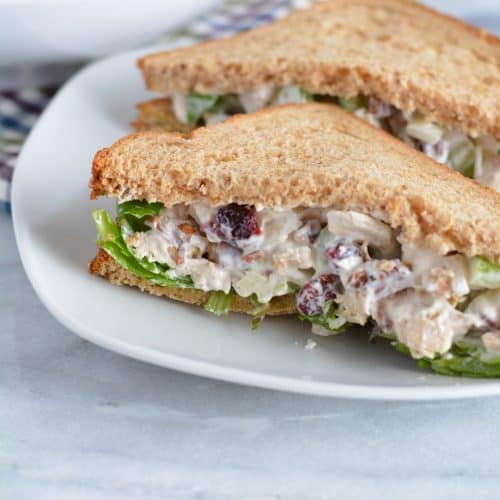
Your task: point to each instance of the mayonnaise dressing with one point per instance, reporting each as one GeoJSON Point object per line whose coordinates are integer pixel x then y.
{"type": "Point", "coordinates": [329, 255]}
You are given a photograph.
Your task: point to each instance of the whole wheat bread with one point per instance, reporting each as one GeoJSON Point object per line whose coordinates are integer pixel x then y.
{"type": "Point", "coordinates": [157, 114]}
{"type": "Point", "coordinates": [306, 155]}
{"type": "Point", "coordinates": [404, 53]}
{"type": "Point", "coordinates": [105, 266]}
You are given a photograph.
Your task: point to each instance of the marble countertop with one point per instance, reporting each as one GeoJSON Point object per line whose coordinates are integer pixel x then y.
{"type": "Point", "coordinates": [79, 422]}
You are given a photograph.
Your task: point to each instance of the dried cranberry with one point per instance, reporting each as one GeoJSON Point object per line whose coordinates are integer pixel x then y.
{"type": "Point", "coordinates": [378, 108]}
{"type": "Point", "coordinates": [316, 293]}
{"type": "Point", "coordinates": [340, 250]}
{"type": "Point", "coordinates": [236, 222]}
{"type": "Point", "coordinates": [397, 123]}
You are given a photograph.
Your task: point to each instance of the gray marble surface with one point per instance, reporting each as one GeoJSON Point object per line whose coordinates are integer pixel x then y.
{"type": "Point", "coordinates": [78, 422]}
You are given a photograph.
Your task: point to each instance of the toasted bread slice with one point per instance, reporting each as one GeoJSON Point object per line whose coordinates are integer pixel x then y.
{"type": "Point", "coordinates": [105, 266]}
{"type": "Point", "coordinates": [401, 52]}
{"type": "Point", "coordinates": [306, 155]}
{"type": "Point", "coordinates": [158, 114]}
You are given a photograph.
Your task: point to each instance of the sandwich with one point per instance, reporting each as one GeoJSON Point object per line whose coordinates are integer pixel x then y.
{"type": "Point", "coordinates": [425, 78]}
{"type": "Point", "coordinates": [308, 210]}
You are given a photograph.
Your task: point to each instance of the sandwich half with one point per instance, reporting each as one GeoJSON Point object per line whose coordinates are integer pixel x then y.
{"type": "Point", "coordinates": [428, 79]}
{"type": "Point", "coordinates": [308, 210]}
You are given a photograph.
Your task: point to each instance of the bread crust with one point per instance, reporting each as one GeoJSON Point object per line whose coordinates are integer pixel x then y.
{"type": "Point", "coordinates": [402, 52]}
{"type": "Point", "coordinates": [105, 266]}
{"type": "Point", "coordinates": [157, 114]}
{"type": "Point", "coordinates": [306, 155]}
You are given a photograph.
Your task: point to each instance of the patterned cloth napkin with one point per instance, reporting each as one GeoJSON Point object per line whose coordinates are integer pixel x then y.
{"type": "Point", "coordinates": [20, 108]}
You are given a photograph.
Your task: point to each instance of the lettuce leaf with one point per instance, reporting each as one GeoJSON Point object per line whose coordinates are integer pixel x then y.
{"type": "Point", "coordinates": [111, 240]}
{"type": "Point", "coordinates": [353, 103]}
{"type": "Point", "coordinates": [219, 302]}
{"type": "Point", "coordinates": [138, 209]}
{"type": "Point", "coordinates": [483, 273]}
{"type": "Point", "coordinates": [328, 320]}
{"type": "Point", "coordinates": [259, 311]}
{"type": "Point", "coordinates": [466, 358]}
{"type": "Point", "coordinates": [132, 216]}
{"type": "Point", "coordinates": [199, 104]}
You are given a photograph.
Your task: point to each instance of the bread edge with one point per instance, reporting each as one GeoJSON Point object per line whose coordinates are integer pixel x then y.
{"type": "Point", "coordinates": [394, 95]}
{"type": "Point", "coordinates": [105, 266]}
{"type": "Point", "coordinates": [158, 114]}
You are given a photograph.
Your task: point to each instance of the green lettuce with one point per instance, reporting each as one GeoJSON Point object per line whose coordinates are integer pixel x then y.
{"type": "Point", "coordinates": [483, 274]}
{"type": "Point", "coordinates": [138, 209]}
{"type": "Point", "coordinates": [199, 104]}
{"type": "Point", "coordinates": [353, 103]}
{"type": "Point", "coordinates": [259, 311]}
{"type": "Point", "coordinates": [305, 96]}
{"type": "Point", "coordinates": [328, 319]}
{"type": "Point", "coordinates": [111, 239]}
{"type": "Point", "coordinates": [132, 216]}
{"type": "Point", "coordinates": [466, 358]}
{"type": "Point", "coordinates": [219, 302]}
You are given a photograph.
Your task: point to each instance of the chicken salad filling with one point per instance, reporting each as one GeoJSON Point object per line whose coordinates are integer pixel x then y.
{"type": "Point", "coordinates": [478, 158]}
{"type": "Point", "coordinates": [343, 267]}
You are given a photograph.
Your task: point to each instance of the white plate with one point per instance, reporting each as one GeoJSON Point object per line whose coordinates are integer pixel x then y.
{"type": "Point", "coordinates": [55, 235]}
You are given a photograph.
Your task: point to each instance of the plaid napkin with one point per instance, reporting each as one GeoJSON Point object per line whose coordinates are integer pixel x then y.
{"type": "Point", "coordinates": [19, 109]}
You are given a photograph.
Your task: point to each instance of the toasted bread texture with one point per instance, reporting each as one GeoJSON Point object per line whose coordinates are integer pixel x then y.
{"type": "Point", "coordinates": [158, 114]}
{"type": "Point", "coordinates": [306, 155]}
{"type": "Point", "coordinates": [105, 266]}
{"type": "Point", "coordinates": [402, 52]}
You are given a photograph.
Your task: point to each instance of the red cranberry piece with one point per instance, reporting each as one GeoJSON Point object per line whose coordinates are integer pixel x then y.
{"type": "Point", "coordinates": [316, 293]}
{"type": "Point", "coordinates": [236, 222]}
{"type": "Point", "coordinates": [397, 123]}
{"type": "Point", "coordinates": [341, 249]}
{"type": "Point", "coordinates": [378, 108]}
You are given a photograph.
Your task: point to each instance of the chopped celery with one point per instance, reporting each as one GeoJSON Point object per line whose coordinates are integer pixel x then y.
{"type": "Point", "coordinates": [424, 131]}
{"type": "Point", "coordinates": [462, 158]}
{"type": "Point", "coordinates": [483, 274]}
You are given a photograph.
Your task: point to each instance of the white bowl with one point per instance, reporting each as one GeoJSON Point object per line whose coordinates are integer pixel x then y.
{"type": "Point", "coordinates": [52, 33]}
